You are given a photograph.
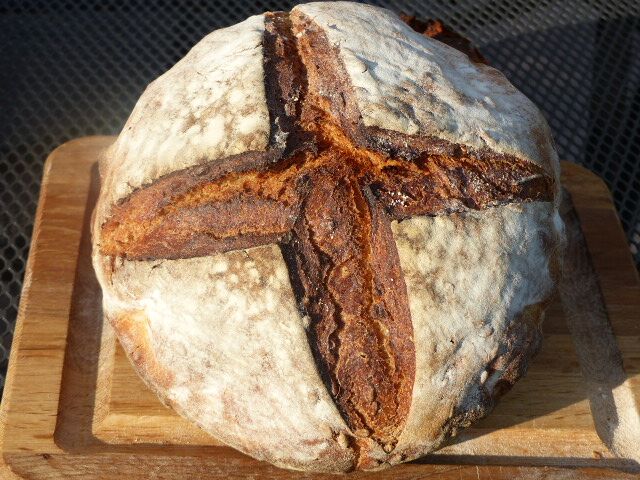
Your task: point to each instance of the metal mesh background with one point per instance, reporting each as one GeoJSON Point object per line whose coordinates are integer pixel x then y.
{"type": "Point", "coordinates": [73, 68]}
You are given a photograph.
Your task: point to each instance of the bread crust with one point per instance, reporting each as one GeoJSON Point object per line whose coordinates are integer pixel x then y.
{"type": "Point", "coordinates": [325, 228]}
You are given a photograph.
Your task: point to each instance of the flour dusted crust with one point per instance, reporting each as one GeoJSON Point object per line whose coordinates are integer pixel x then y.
{"type": "Point", "coordinates": [281, 143]}
{"type": "Point", "coordinates": [209, 105]}
{"type": "Point", "coordinates": [413, 84]}
{"type": "Point", "coordinates": [237, 364]}
{"type": "Point", "coordinates": [476, 302]}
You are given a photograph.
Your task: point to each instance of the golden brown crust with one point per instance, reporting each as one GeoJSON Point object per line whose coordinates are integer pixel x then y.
{"type": "Point", "coordinates": [327, 190]}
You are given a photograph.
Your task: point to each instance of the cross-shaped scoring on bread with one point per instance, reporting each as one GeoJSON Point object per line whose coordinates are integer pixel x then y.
{"type": "Point", "coordinates": [358, 164]}
{"type": "Point", "coordinates": [326, 193]}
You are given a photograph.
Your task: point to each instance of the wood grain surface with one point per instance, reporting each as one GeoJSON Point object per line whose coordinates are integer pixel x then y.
{"type": "Point", "coordinates": [74, 408]}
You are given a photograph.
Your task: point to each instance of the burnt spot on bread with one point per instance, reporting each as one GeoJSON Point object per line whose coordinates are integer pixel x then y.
{"type": "Point", "coordinates": [327, 191]}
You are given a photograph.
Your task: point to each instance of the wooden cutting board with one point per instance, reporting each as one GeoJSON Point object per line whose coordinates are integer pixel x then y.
{"type": "Point", "coordinates": [74, 408]}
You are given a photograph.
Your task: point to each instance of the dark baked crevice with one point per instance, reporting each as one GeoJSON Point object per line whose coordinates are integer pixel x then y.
{"type": "Point", "coordinates": [285, 83]}
{"type": "Point", "coordinates": [360, 327]}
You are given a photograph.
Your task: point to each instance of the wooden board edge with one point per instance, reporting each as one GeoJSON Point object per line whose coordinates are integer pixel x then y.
{"type": "Point", "coordinates": [7, 399]}
{"type": "Point", "coordinates": [17, 348]}
{"type": "Point", "coordinates": [108, 466]}
{"type": "Point", "coordinates": [20, 319]}
{"type": "Point", "coordinates": [613, 395]}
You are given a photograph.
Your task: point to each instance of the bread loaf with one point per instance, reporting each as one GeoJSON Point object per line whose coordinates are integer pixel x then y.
{"type": "Point", "coordinates": [327, 239]}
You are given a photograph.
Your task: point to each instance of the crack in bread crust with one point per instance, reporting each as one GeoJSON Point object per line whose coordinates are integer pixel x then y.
{"type": "Point", "coordinates": [326, 190]}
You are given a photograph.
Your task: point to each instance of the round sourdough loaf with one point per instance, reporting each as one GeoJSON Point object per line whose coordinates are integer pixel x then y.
{"type": "Point", "coordinates": [328, 240]}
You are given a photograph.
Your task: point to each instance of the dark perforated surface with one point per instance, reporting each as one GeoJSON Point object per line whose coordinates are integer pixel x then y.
{"type": "Point", "coordinates": [74, 68]}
